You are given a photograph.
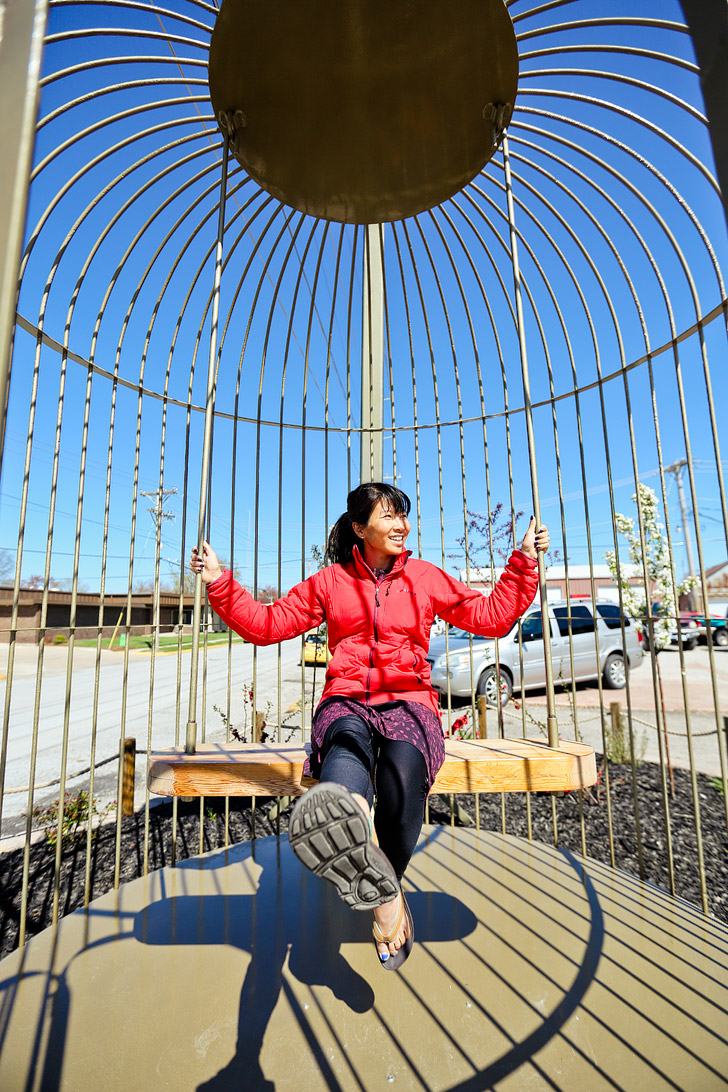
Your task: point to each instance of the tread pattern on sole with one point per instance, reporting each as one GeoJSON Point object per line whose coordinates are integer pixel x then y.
{"type": "Point", "coordinates": [329, 834]}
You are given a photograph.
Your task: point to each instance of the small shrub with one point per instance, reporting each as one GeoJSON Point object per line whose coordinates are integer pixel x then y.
{"type": "Point", "coordinates": [617, 737]}
{"type": "Point", "coordinates": [78, 810]}
{"type": "Point", "coordinates": [60, 639]}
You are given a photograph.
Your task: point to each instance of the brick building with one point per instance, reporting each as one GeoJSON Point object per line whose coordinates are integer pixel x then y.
{"type": "Point", "coordinates": [58, 614]}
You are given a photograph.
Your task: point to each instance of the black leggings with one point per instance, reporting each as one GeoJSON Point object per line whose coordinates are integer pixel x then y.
{"type": "Point", "coordinates": [366, 762]}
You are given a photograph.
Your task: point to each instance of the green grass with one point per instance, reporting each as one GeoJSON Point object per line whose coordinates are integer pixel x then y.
{"type": "Point", "coordinates": [167, 642]}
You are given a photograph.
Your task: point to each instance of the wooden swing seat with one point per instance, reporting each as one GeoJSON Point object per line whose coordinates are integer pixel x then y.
{"type": "Point", "coordinates": [276, 769]}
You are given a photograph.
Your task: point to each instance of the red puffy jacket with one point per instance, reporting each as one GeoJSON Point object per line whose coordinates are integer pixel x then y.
{"type": "Point", "coordinates": [379, 633]}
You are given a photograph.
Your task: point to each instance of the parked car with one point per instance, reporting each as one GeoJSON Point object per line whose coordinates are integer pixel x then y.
{"type": "Point", "coordinates": [688, 630]}
{"type": "Point", "coordinates": [718, 627]}
{"type": "Point", "coordinates": [685, 623]}
{"type": "Point", "coordinates": [316, 649]}
{"type": "Point", "coordinates": [615, 658]}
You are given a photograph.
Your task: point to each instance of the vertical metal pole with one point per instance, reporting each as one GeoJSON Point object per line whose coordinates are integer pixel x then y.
{"type": "Point", "coordinates": [21, 52]}
{"type": "Point", "coordinates": [191, 736]}
{"type": "Point", "coordinates": [551, 722]}
{"type": "Point", "coordinates": [372, 358]}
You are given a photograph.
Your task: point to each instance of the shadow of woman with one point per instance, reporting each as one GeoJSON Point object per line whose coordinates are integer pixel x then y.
{"type": "Point", "coordinates": [291, 915]}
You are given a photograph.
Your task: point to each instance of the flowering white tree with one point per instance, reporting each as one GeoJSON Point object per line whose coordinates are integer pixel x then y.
{"type": "Point", "coordinates": [657, 565]}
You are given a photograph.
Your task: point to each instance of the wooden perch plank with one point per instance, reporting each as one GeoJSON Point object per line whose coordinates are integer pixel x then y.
{"type": "Point", "coordinates": [276, 769]}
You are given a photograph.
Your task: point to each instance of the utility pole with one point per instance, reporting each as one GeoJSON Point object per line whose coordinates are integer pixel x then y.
{"type": "Point", "coordinates": [677, 469]}
{"type": "Point", "coordinates": [158, 515]}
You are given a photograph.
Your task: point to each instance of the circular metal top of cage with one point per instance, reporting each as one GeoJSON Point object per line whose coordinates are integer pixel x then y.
{"type": "Point", "coordinates": [363, 112]}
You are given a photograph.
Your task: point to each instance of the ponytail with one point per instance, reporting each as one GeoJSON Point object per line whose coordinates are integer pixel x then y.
{"type": "Point", "coordinates": [359, 506]}
{"type": "Point", "coordinates": [341, 541]}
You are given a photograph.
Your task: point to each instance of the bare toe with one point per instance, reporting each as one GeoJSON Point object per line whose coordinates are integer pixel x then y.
{"type": "Point", "coordinates": [386, 917]}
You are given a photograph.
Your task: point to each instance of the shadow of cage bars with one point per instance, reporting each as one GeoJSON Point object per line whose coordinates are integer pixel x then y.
{"type": "Point", "coordinates": [190, 357]}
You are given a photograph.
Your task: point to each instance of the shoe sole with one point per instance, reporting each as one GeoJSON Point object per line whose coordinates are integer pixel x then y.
{"type": "Point", "coordinates": [329, 834]}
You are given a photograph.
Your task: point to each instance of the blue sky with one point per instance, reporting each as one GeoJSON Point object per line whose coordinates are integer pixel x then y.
{"type": "Point", "coordinates": [606, 209]}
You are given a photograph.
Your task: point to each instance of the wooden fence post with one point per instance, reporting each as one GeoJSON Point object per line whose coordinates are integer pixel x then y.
{"type": "Point", "coordinates": [482, 717]}
{"type": "Point", "coordinates": [127, 781]}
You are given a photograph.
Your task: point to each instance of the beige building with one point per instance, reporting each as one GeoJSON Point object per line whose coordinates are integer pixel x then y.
{"type": "Point", "coordinates": [716, 577]}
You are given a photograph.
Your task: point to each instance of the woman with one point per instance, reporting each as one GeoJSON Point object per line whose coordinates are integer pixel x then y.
{"type": "Point", "coordinates": [377, 729]}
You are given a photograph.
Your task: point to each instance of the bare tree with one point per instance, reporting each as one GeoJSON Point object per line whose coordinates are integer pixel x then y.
{"type": "Point", "coordinates": [489, 539]}
{"type": "Point", "coordinates": [267, 594]}
{"type": "Point", "coordinates": [7, 567]}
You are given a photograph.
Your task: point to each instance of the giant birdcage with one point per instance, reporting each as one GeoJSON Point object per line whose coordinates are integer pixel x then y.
{"type": "Point", "coordinates": [487, 268]}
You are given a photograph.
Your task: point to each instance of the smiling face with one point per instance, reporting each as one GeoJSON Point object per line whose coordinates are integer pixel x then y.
{"type": "Point", "coordinates": [382, 539]}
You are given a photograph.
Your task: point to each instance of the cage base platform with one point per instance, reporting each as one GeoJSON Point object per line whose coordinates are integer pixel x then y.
{"type": "Point", "coordinates": [532, 969]}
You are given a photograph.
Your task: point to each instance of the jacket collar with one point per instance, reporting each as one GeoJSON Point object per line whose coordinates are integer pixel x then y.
{"type": "Point", "coordinates": [361, 566]}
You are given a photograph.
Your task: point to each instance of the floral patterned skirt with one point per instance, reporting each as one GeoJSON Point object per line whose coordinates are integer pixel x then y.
{"type": "Point", "coordinates": [407, 721]}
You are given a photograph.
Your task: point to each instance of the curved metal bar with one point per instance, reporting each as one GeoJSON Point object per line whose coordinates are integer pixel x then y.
{"type": "Point", "coordinates": [688, 274]}
{"type": "Point", "coordinates": [489, 508]}
{"type": "Point", "coordinates": [706, 371]}
{"type": "Point", "coordinates": [551, 722]}
{"type": "Point", "coordinates": [593, 332]}
{"type": "Point", "coordinates": [657, 703]}
{"type": "Point", "coordinates": [615, 323]}
{"type": "Point", "coordinates": [639, 120]}
{"type": "Point", "coordinates": [638, 158]}
{"type": "Point", "coordinates": [94, 162]}
{"type": "Point", "coordinates": [122, 32]}
{"type": "Point", "coordinates": [410, 341]}
{"type": "Point", "coordinates": [127, 85]}
{"type": "Point", "coordinates": [438, 433]}
{"type": "Point", "coordinates": [93, 66]}
{"type": "Point", "coordinates": [609, 21]}
{"type": "Point", "coordinates": [205, 469]}
{"type": "Point", "coordinates": [138, 5]}
{"type": "Point", "coordinates": [686, 702]}
{"type": "Point", "coordinates": [461, 437]}
{"type": "Point", "coordinates": [621, 50]}
{"type": "Point", "coordinates": [720, 311]}
{"type": "Point", "coordinates": [390, 365]}
{"type": "Point", "coordinates": [602, 74]}
{"type": "Point", "coordinates": [124, 115]}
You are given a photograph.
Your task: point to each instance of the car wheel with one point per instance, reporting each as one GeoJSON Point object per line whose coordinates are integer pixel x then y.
{"type": "Point", "coordinates": [689, 644]}
{"type": "Point", "coordinates": [487, 687]}
{"type": "Point", "coordinates": [720, 637]}
{"type": "Point", "coordinates": [615, 672]}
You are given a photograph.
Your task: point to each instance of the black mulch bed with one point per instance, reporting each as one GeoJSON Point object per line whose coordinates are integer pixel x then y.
{"type": "Point", "coordinates": [713, 820]}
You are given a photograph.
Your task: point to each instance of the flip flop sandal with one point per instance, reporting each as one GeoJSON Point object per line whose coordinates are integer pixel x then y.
{"type": "Point", "coordinates": [395, 961]}
{"type": "Point", "coordinates": [330, 835]}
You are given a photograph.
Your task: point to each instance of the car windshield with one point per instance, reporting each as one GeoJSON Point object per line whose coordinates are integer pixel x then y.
{"type": "Point", "coordinates": [459, 634]}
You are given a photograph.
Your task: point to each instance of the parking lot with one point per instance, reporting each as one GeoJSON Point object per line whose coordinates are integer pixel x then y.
{"type": "Point", "coordinates": [697, 671]}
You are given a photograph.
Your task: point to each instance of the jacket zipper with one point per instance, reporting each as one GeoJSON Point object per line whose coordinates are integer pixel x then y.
{"type": "Point", "coordinates": [376, 641]}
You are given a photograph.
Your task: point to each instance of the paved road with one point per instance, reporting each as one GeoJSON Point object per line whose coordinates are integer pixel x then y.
{"type": "Point", "coordinates": [135, 712]}
{"type": "Point", "coordinates": [167, 687]}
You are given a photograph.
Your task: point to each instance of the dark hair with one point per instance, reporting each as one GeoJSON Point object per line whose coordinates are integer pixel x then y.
{"type": "Point", "coordinates": [359, 506]}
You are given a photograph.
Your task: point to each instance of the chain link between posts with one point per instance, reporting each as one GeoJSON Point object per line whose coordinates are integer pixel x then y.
{"type": "Point", "coordinates": [635, 720]}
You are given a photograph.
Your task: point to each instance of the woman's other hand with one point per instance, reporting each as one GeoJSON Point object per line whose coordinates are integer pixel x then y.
{"type": "Point", "coordinates": [208, 564]}
{"type": "Point", "coordinates": [534, 540]}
